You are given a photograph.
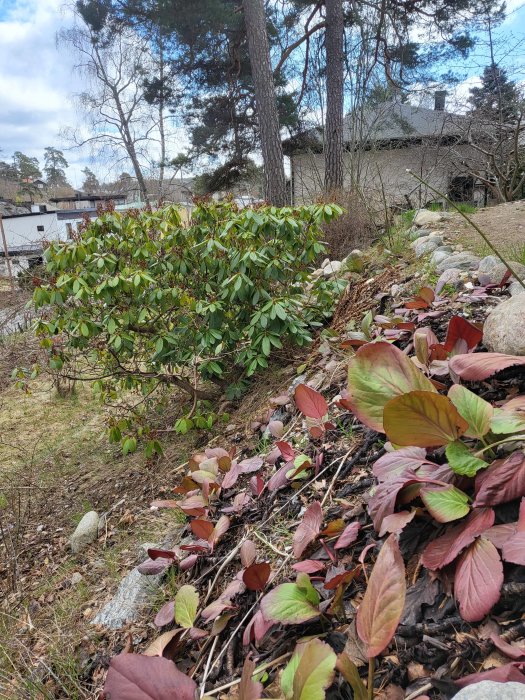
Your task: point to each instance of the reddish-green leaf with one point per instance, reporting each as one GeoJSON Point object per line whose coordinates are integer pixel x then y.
{"type": "Point", "coordinates": [247, 553]}
{"type": "Point", "coordinates": [350, 673]}
{"type": "Point", "coordinates": [424, 339]}
{"type": "Point", "coordinates": [186, 604]}
{"type": "Point", "coordinates": [308, 529]}
{"type": "Point", "coordinates": [310, 671]}
{"type": "Point", "coordinates": [475, 410]}
{"type": "Point", "coordinates": [478, 580]}
{"type": "Point", "coordinates": [310, 402]}
{"type": "Point", "coordinates": [348, 536]}
{"type": "Point", "coordinates": [445, 503]}
{"type": "Point", "coordinates": [289, 604]}
{"type": "Point", "coordinates": [309, 566]}
{"type": "Point", "coordinates": [396, 462]}
{"type": "Point", "coordinates": [503, 481]}
{"type": "Point", "coordinates": [377, 373]}
{"type": "Point", "coordinates": [248, 688]}
{"type": "Point", "coordinates": [137, 677]}
{"type": "Point", "coordinates": [422, 419]}
{"type": "Point", "coordinates": [201, 528]}
{"type": "Point", "coordinates": [478, 366]}
{"type": "Point", "coordinates": [256, 576]}
{"type": "Point", "coordinates": [462, 461]}
{"type": "Point", "coordinates": [446, 548]}
{"type": "Point", "coordinates": [396, 522]}
{"type": "Point", "coordinates": [461, 329]}
{"type": "Point", "coordinates": [382, 605]}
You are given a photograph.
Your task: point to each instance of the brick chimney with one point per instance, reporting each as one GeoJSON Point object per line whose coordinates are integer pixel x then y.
{"type": "Point", "coordinates": [439, 100]}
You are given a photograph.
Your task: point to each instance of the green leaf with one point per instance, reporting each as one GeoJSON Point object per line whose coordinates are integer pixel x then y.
{"type": "Point", "coordinates": [445, 503]}
{"type": "Point", "coordinates": [476, 411]}
{"type": "Point", "coordinates": [506, 422]}
{"type": "Point", "coordinates": [462, 461]}
{"type": "Point", "coordinates": [186, 604]}
{"type": "Point", "coordinates": [289, 605]}
{"type": "Point", "coordinates": [377, 373]}
{"type": "Point", "coordinates": [310, 671]}
{"type": "Point", "coordinates": [422, 419]}
{"type": "Point", "coordinates": [350, 673]}
{"type": "Point", "coordinates": [304, 583]}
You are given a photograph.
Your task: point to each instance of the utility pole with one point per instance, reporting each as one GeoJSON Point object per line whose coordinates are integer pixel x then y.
{"type": "Point", "coordinates": [6, 254]}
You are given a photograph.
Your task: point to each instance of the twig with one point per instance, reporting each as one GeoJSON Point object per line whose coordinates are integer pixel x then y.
{"type": "Point", "coordinates": [471, 223]}
{"type": "Point", "coordinates": [207, 667]}
{"type": "Point", "coordinates": [419, 691]}
{"type": "Point", "coordinates": [224, 564]}
{"type": "Point", "coordinates": [334, 479]}
{"type": "Point", "coordinates": [268, 544]}
{"type": "Point", "coordinates": [258, 670]}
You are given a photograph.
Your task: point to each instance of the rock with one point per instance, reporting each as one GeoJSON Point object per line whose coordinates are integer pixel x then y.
{"type": "Point", "coordinates": [452, 277]}
{"type": "Point", "coordinates": [426, 245]}
{"type": "Point", "coordinates": [76, 578]}
{"type": "Point", "coordinates": [491, 270]}
{"type": "Point", "coordinates": [414, 233]}
{"type": "Point", "coordinates": [354, 261]}
{"type": "Point", "coordinates": [300, 379]}
{"type": "Point", "coordinates": [424, 217]}
{"type": "Point", "coordinates": [318, 272]}
{"type": "Point", "coordinates": [325, 262]}
{"type": "Point", "coordinates": [332, 268]}
{"type": "Point", "coordinates": [504, 329]}
{"type": "Point", "coordinates": [515, 288]}
{"type": "Point", "coordinates": [460, 261]}
{"type": "Point", "coordinates": [489, 690]}
{"type": "Point", "coordinates": [134, 593]}
{"type": "Point", "coordinates": [440, 254]}
{"type": "Point", "coordinates": [395, 290]}
{"type": "Point", "coordinates": [86, 532]}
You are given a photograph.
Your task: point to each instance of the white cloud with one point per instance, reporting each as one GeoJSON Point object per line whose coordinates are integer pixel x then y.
{"type": "Point", "coordinates": [36, 80]}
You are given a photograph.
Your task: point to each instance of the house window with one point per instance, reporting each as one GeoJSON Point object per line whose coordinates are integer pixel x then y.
{"type": "Point", "coordinates": [461, 189]}
{"type": "Point", "coordinates": [40, 229]}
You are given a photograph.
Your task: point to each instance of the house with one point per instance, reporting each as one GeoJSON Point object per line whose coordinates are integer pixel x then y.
{"type": "Point", "coordinates": [381, 143]}
{"type": "Point", "coordinates": [81, 201]}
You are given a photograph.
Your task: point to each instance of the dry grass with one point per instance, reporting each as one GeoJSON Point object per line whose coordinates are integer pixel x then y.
{"type": "Point", "coordinates": [354, 229]}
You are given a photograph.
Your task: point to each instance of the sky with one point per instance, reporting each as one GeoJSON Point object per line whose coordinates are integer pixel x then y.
{"type": "Point", "coordinates": [37, 79]}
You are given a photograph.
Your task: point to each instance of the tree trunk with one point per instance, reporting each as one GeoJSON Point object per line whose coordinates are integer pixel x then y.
{"type": "Point", "coordinates": [272, 151]}
{"type": "Point", "coordinates": [161, 118]}
{"type": "Point", "coordinates": [333, 139]}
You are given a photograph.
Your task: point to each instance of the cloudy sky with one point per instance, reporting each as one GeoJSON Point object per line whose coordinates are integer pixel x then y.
{"type": "Point", "coordinates": [37, 79]}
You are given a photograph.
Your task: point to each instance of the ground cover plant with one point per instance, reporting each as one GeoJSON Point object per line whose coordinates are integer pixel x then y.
{"type": "Point", "coordinates": [140, 303]}
{"type": "Point", "coordinates": [449, 479]}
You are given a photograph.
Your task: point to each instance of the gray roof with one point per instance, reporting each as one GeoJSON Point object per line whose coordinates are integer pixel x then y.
{"type": "Point", "coordinates": [395, 120]}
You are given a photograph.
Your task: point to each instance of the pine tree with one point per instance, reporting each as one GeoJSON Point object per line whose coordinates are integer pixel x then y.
{"type": "Point", "coordinates": [27, 168]}
{"type": "Point", "coordinates": [54, 167]}
{"type": "Point", "coordinates": [91, 183]}
{"type": "Point", "coordinates": [497, 98]}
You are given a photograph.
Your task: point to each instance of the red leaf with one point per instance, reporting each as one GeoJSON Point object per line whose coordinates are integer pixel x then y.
{"type": "Point", "coordinates": [503, 481]}
{"type": "Point", "coordinates": [348, 536]}
{"type": "Point", "coordinates": [396, 522]}
{"type": "Point", "coordinates": [461, 329]}
{"type": "Point", "coordinates": [221, 526]}
{"type": "Point", "coordinates": [336, 576]}
{"type": "Point", "coordinates": [310, 402]}
{"type": "Point", "coordinates": [309, 566]}
{"type": "Point", "coordinates": [201, 528]}
{"type": "Point", "coordinates": [514, 549]}
{"type": "Point", "coordinates": [382, 605]}
{"type": "Point", "coordinates": [276, 428]}
{"type": "Point", "coordinates": [248, 688]}
{"type": "Point", "coordinates": [513, 652]}
{"type": "Point", "coordinates": [137, 677]}
{"type": "Point", "coordinates": [163, 553]}
{"type": "Point", "coordinates": [478, 580]}
{"type": "Point", "coordinates": [503, 674]}
{"type": "Point", "coordinates": [193, 505]}
{"type": "Point", "coordinates": [256, 576]}
{"type": "Point", "coordinates": [383, 502]}
{"type": "Point", "coordinates": [394, 463]}
{"type": "Point", "coordinates": [445, 549]}
{"type": "Point", "coordinates": [189, 562]}
{"type": "Point", "coordinates": [253, 464]}
{"type": "Point", "coordinates": [230, 478]}
{"type": "Point", "coordinates": [248, 553]}
{"type": "Point", "coordinates": [165, 504]}
{"type": "Point", "coordinates": [482, 365]}
{"type": "Point", "coordinates": [286, 450]}
{"type": "Point", "coordinates": [308, 529]}
{"type": "Point", "coordinates": [499, 534]}
{"type": "Point", "coordinates": [257, 485]}
{"type": "Point", "coordinates": [166, 615]}
{"type": "Point", "coordinates": [256, 629]}
{"type": "Point", "coordinates": [151, 568]}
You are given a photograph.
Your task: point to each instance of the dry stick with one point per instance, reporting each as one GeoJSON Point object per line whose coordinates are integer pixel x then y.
{"type": "Point", "coordinates": [419, 691]}
{"type": "Point", "coordinates": [207, 667]}
{"type": "Point", "coordinates": [268, 544]}
{"type": "Point", "coordinates": [259, 669]}
{"type": "Point", "coordinates": [337, 472]}
{"type": "Point", "coordinates": [469, 221]}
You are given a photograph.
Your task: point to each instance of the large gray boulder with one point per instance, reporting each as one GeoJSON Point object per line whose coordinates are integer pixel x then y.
{"type": "Point", "coordinates": [86, 532]}
{"type": "Point", "coordinates": [440, 254]}
{"type": "Point", "coordinates": [134, 593]}
{"type": "Point", "coordinates": [425, 217]}
{"type": "Point", "coordinates": [491, 270]}
{"type": "Point", "coordinates": [423, 246]}
{"type": "Point", "coordinates": [504, 329]}
{"type": "Point", "coordinates": [452, 277]}
{"type": "Point", "coordinates": [490, 690]}
{"type": "Point", "coordinates": [460, 261]}
{"type": "Point", "coordinates": [515, 288]}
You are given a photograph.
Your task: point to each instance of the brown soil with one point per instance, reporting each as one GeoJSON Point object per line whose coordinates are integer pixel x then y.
{"type": "Point", "coordinates": [503, 224]}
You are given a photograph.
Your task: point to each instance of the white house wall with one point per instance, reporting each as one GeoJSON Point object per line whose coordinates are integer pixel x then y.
{"type": "Point", "coordinates": [382, 171]}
